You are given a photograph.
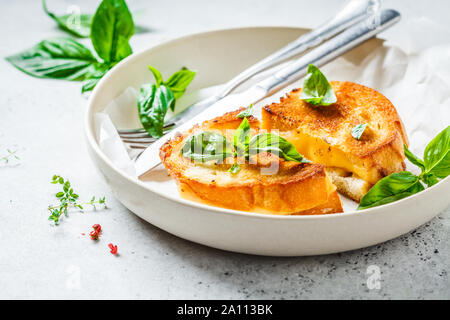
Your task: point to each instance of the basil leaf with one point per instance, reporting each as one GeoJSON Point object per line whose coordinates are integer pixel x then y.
{"type": "Point", "coordinates": [76, 24]}
{"type": "Point", "coordinates": [153, 103]}
{"type": "Point", "coordinates": [246, 113]}
{"type": "Point", "coordinates": [429, 178]}
{"type": "Point", "coordinates": [179, 81]}
{"type": "Point", "coordinates": [235, 168]}
{"type": "Point", "coordinates": [90, 84]}
{"type": "Point", "coordinates": [157, 75]}
{"type": "Point", "coordinates": [241, 137]}
{"type": "Point", "coordinates": [413, 159]}
{"type": "Point", "coordinates": [316, 88]}
{"type": "Point", "coordinates": [391, 188]}
{"type": "Point", "coordinates": [58, 58]}
{"type": "Point", "coordinates": [111, 30]}
{"type": "Point", "coordinates": [437, 155]}
{"type": "Point", "coordinates": [268, 142]}
{"type": "Point", "coordinates": [358, 130]}
{"type": "Point", "coordinates": [207, 146]}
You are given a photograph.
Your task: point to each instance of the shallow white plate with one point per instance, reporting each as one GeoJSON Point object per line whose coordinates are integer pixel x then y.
{"type": "Point", "coordinates": [218, 56]}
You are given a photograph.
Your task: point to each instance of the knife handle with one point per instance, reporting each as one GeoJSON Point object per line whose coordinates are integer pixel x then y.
{"type": "Point", "coordinates": [353, 12]}
{"type": "Point", "coordinates": [331, 49]}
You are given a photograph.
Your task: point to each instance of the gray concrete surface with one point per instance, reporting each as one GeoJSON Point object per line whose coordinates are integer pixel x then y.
{"type": "Point", "coordinates": [43, 120]}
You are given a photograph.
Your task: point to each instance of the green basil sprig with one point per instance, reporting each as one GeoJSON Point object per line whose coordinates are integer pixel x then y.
{"type": "Point", "coordinates": [153, 103]}
{"type": "Point", "coordinates": [179, 81]}
{"type": "Point", "coordinates": [269, 142]}
{"type": "Point", "coordinates": [64, 58]}
{"type": "Point", "coordinates": [206, 146]}
{"type": "Point", "coordinates": [391, 188]}
{"type": "Point", "coordinates": [155, 99]}
{"type": "Point", "coordinates": [316, 88]}
{"type": "Point", "coordinates": [246, 113]}
{"type": "Point", "coordinates": [434, 166]}
{"type": "Point", "coordinates": [241, 139]}
{"type": "Point", "coordinates": [436, 157]}
{"type": "Point", "coordinates": [235, 168]}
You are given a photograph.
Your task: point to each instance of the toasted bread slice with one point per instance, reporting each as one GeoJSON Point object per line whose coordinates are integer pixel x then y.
{"type": "Point", "coordinates": [295, 188]}
{"type": "Point", "coordinates": [323, 135]}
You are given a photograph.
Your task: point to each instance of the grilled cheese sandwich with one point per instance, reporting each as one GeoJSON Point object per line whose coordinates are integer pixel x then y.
{"type": "Point", "coordinates": [295, 188]}
{"type": "Point", "coordinates": [323, 135]}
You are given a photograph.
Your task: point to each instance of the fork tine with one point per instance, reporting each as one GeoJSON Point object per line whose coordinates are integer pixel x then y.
{"type": "Point", "coordinates": [139, 141]}
{"type": "Point", "coordinates": [136, 146]}
{"type": "Point", "coordinates": [142, 130]}
{"type": "Point", "coordinates": [134, 135]}
{"type": "Point", "coordinates": [131, 131]}
{"type": "Point", "coordinates": [139, 138]}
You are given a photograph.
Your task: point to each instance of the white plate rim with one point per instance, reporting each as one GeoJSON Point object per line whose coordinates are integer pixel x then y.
{"type": "Point", "coordinates": [92, 141]}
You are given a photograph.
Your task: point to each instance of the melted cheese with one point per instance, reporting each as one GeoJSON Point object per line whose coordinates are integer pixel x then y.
{"type": "Point", "coordinates": [319, 151]}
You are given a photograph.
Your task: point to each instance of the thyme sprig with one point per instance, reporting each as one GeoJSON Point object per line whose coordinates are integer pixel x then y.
{"type": "Point", "coordinates": [69, 199]}
{"type": "Point", "coordinates": [11, 154]}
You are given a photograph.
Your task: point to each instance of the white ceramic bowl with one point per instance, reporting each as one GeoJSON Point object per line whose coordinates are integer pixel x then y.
{"type": "Point", "coordinates": [218, 56]}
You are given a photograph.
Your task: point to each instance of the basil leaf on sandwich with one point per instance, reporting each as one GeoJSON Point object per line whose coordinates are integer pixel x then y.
{"type": "Point", "coordinates": [76, 24]}
{"type": "Point", "coordinates": [58, 58]}
{"type": "Point", "coordinates": [269, 142]}
{"type": "Point", "coordinates": [246, 113]}
{"type": "Point", "coordinates": [316, 88]}
{"type": "Point", "coordinates": [111, 29]}
{"type": "Point", "coordinates": [241, 138]}
{"type": "Point", "coordinates": [207, 146]}
{"type": "Point", "coordinates": [235, 168]}
{"type": "Point", "coordinates": [358, 130]}
{"type": "Point", "coordinates": [391, 188]}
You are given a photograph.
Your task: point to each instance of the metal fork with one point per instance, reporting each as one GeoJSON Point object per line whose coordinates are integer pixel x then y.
{"type": "Point", "coordinates": [139, 138]}
{"type": "Point", "coordinates": [353, 12]}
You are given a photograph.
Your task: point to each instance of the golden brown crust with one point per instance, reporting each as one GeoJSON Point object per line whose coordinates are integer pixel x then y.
{"type": "Point", "coordinates": [229, 120]}
{"type": "Point", "coordinates": [380, 148]}
{"type": "Point", "coordinates": [333, 204]}
{"type": "Point", "coordinates": [295, 187]}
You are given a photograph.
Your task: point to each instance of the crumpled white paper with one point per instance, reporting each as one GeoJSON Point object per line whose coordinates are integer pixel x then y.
{"type": "Point", "coordinates": [413, 72]}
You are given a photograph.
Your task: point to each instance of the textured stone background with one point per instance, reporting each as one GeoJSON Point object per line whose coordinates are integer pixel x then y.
{"type": "Point", "coordinates": [43, 119]}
